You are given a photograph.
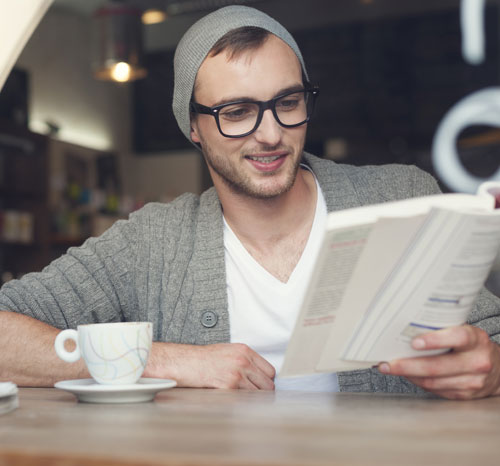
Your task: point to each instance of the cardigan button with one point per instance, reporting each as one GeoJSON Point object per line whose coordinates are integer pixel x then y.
{"type": "Point", "coordinates": [209, 319]}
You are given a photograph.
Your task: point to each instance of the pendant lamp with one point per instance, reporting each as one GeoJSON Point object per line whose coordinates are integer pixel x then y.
{"type": "Point", "coordinates": [117, 43]}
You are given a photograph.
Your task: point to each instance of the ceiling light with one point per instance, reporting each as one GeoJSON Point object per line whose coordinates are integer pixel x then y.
{"type": "Point", "coordinates": [153, 16]}
{"type": "Point", "coordinates": [121, 72]}
{"type": "Point", "coordinates": [117, 47]}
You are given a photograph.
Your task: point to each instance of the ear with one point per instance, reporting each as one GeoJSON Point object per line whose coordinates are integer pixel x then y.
{"type": "Point", "coordinates": [194, 132]}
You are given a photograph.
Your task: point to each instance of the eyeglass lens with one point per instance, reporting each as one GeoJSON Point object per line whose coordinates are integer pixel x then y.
{"type": "Point", "coordinates": [290, 110]}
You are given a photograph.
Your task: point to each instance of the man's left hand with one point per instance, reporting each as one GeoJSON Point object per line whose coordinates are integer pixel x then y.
{"type": "Point", "coordinates": [470, 370]}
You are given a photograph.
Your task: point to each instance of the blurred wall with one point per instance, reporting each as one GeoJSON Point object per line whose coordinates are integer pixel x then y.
{"type": "Point", "coordinates": [92, 113]}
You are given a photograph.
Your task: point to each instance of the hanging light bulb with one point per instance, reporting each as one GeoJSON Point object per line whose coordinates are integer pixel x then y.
{"type": "Point", "coordinates": [117, 47]}
{"type": "Point", "coordinates": [154, 16]}
{"type": "Point", "coordinates": [120, 72]}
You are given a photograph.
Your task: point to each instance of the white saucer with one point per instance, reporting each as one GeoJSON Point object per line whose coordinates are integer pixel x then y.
{"type": "Point", "coordinates": [89, 391]}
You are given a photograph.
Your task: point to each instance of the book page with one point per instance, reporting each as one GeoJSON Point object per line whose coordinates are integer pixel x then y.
{"type": "Point", "coordinates": [439, 292]}
{"type": "Point", "coordinates": [434, 286]}
{"type": "Point", "coordinates": [337, 258]}
{"type": "Point", "coordinates": [415, 206]}
{"type": "Point", "coordinates": [368, 254]}
{"type": "Point", "coordinates": [392, 237]}
{"type": "Point", "coordinates": [18, 20]}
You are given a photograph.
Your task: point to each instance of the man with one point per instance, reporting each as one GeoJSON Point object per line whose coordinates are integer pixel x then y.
{"type": "Point", "coordinates": [221, 276]}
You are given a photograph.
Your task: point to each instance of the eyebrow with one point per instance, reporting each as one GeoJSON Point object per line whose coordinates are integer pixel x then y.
{"type": "Point", "coordinates": [228, 100]}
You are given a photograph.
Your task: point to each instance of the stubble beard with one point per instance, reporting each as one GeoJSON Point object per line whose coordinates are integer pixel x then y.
{"type": "Point", "coordinates": [239, 182]}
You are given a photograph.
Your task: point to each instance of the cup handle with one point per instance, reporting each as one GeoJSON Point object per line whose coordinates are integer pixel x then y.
{"type": "Point", "coordinates": [68, 356]}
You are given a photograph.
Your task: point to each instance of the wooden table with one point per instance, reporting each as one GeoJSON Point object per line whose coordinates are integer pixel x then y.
{"type": "Point", "coordinates": [187, 427]}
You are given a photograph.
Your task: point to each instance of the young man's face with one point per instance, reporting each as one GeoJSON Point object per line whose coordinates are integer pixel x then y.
{"type": "Point", "coordinates": [263, 164]}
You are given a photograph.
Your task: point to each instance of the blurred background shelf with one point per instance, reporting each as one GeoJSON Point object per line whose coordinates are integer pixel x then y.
{"type": "Point", "coordinates": [53, 195]}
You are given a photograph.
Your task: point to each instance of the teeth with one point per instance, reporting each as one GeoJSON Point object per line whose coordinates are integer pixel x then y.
{"type": "Point", "coordinates": [265, 159]}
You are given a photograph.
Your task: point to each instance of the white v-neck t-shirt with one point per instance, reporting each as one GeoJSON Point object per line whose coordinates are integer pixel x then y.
{"type": "Point", "coordinates": [263, 310]}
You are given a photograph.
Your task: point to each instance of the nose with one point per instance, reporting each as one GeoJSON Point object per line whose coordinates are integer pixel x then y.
{"type": "Point", "coordinates": [269, 131]}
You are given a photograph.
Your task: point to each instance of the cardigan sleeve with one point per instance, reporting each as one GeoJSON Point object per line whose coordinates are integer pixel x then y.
{"type": "Point", "coordinates": [90, 283]}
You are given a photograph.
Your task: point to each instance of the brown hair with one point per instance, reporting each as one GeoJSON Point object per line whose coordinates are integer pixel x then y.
{"type": "Point", "coordinates": [240, 40]}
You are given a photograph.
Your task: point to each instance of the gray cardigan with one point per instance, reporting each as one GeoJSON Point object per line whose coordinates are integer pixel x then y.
{"type": "Point", "coordinates": [166, 265]}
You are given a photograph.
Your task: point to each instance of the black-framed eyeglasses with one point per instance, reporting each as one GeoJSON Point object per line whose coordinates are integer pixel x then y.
{"type": "Point", "coordinates": [241, 118]}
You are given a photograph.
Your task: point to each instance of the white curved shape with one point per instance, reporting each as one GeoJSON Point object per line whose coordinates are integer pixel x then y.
{"type": "Point", "coordinates": [18, 20]}
{"type": "Point", "coordinates": [471, 21]}
{"type": "Point", "coordinates": [480, 108]}
{"type": "Point", "coordinates": [68, 356]}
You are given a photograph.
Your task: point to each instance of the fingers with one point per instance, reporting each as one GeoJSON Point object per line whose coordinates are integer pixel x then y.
{"type": "Point", "coordinates": [236, 365]}
{"type": "Point", "coordinates": [443, 365]}
{"type": "Point", "coordinates": [260, 381]}
{"type": "Point", "coordinates": [222, 365]}
{"type": "Point", "coordinates": [470, 370]}
{"type": "Point", "coordinates": [253, 372]}
{"type": "Point", "coordinates": [458, 338]}
{"type": "Point", "coordinates": [244, 384]}
{"type": "Point", "coordinates": [471, 348]}
{"type": "Point", "coordinates": [259, 374]}
{"type": "Point", "coordinates": [264, 366]}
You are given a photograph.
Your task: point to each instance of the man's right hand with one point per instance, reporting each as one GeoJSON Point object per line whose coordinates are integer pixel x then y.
{"type": "Point", "coordinates": [222, 365]}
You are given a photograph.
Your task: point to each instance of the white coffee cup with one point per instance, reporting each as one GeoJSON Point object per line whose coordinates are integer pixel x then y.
{"type": "Point", "coordinates": [115, 353]}
{"type": "Point", "coordinates": [480, 108]}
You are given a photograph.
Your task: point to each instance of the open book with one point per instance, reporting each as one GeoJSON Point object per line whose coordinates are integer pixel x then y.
{"type": "Point", "coordinates": [387, 272]}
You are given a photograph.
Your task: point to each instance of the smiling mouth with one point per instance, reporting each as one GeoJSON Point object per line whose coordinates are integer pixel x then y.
{"type": "Point", "coordinates": [264, 159]}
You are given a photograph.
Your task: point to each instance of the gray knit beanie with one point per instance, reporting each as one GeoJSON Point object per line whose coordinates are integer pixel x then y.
{"type": "Point", "coordinates": [199, 40]}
